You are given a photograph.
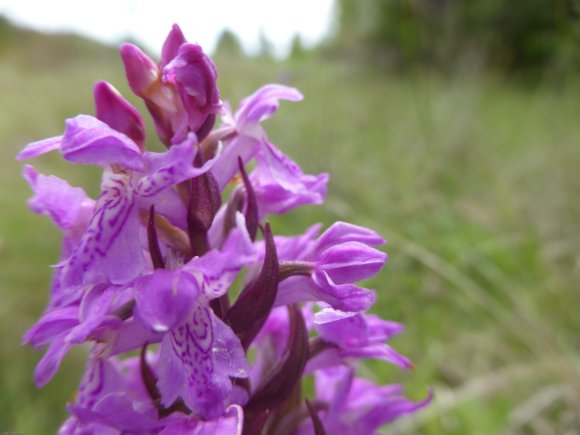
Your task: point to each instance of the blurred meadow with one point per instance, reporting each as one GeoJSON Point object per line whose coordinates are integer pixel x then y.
{"type": "Point", "coordinates": [472, 173]}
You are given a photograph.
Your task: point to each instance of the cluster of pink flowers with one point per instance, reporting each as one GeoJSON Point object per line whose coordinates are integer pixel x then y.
{"type": "Point", "coordinates": [154, 264]}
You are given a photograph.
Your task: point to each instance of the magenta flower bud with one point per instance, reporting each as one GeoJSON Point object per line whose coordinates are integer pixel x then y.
{"type": "Point", "coordinates": [142, 73]}
{"type": "Point", "coordinates": [193, 75]}
{"type": "Point", "coordinates": [118, 113]}
{"type": "Point", "coordinates": [171, 45]}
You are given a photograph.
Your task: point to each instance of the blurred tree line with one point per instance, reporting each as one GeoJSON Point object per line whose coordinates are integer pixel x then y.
{"type": "Point", "coordinates": [504, 34]}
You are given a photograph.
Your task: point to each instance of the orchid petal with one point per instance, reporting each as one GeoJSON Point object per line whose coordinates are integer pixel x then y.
{"type": "Point", "coordinates": [220, 267]}
{"type": "Point", "coordinates": [344, 297]}
{"type": "Point", "coordinates": [40, 147]}
{"type": "Point", "coordinates": [280, 184]}
{"type": "Point", "coordinates": [50, 362]}
{"type": "Point", "coordinates": [263, 104]}
{"type": "Point", "coordinates": [110, 248]}
{"type": "Point", "coordinates": [170, 168]}
{"type": "Point", "coordinates": [230, 423]}
{"type": "Point", "coordinates": [118, 113]}
{"type": "Point", "coordinates": [351, 262]}
{"type": "Point", "coordinates": [196, 362]}
{"type": "Point", "coordinates": [194, 76]}
{"type": "Point", "coordinates": [54, 197]}
{"type": "Point", "coordinates": [297, 247]}
{"type": "Point", "coordinates": [142, 73]}
{"type": "Point", "coordinates": [165, 298]}
{"type": "Point", "coordinates": [378, 351]}
{"type": "Point", "coordinates": [341, 232]}
{"type": "Point", "coordinates": [94, 308]}
{"type": "Point", "coordinates": [50, 325]}
{"type": "Point", "coordinates": [88, 140]}
{"type": "Point", "coordinates": [168, 204]}
{"type": "Point", "coordinates": [226, 166]}
{"type": "Point", "coordinates": [171, 45]}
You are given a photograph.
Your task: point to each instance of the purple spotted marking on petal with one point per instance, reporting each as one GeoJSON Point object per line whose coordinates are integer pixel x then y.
{"type": "Point", "coordinates": [170, 168]}
{"type": "Point", "coordinates": [110, 247]}
{"type": "Point", "coordinates": [191, 342]}
{"type": "Point", "coordinates": [196, 362]}
{"type": "Point", "coordinates": [93, 383]}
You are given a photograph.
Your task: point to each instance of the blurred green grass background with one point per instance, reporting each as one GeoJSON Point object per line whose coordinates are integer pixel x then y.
{"type": "Point", "coordinates": [473, 179]}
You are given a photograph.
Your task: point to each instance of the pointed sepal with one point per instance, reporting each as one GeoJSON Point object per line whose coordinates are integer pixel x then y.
{"type": "Point", "coordinates": [316, 422]}
{"type": "Point", "coordinates": [251, 210]}
{"type": "Point", "coordinates": [118, 113]}
{"type": "Point", "coordinates": [204, 203]}
{"type": "Point", "coordinates": [154, 249]}
{"type": "Point", "coordinates": [251, 309]}
{"type": "Point", "coordinates": [284, 377]}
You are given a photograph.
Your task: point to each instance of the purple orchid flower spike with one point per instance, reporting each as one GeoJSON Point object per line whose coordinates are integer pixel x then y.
{"type": "Point", "coordinates": [166, 262]}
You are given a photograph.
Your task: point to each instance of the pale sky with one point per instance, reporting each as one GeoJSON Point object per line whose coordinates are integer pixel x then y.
{"type": "Point", "coordinates": [149, 21]}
